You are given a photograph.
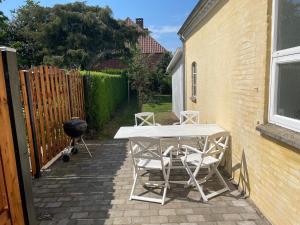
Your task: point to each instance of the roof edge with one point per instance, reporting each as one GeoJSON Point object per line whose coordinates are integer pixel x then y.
{"type": "Point", "coordinates": [175, 59]}
{"type": "Point", "coordinates": [200, 11]}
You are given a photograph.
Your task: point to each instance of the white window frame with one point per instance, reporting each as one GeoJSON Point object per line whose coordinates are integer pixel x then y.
{"type": "Point", "coordinates": [290, 55]}
{"type": "Point", "coordinates": [194, 81]}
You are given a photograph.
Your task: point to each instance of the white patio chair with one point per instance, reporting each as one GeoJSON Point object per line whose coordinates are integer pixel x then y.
{"type": "Point", "coordinates": [145, 119]}
{"type": "Point", "coordinates": [188, 117]}
{"type": "Point", "coordinates": [210, 157]}
{"type": "Point", "coordinates": [147, 155]}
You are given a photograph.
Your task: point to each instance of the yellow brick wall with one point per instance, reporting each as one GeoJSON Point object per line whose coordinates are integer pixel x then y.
{"type": "Point", "coordinates": [231, 47]}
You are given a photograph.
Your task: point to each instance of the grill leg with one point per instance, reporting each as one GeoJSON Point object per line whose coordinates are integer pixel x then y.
{"type": "Point", "coordinates": [86, 147]}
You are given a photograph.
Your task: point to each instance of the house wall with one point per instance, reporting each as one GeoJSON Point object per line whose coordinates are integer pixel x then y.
{"type": "Point", "coordinates": [177, 88]}
{"type": "Point", "coordinates": [231, 47]}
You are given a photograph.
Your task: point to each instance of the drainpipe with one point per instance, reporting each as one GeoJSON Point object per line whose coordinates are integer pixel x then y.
{"type": "Point", "coordinates": [182, 38]}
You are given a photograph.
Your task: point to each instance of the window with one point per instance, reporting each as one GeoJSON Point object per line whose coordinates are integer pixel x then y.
{"type": "Point", "coordinates": [284, 107]}
{"type": "Point", "coordinates": [194, 81]}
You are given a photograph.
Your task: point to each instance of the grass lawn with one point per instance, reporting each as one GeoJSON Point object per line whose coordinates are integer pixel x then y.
{"type": "Point", "coordinates": [161, 103]}
{"type": "Point", "coordinates": [124, 116]}
{"type": "Point", "coordinates": [162, 108]}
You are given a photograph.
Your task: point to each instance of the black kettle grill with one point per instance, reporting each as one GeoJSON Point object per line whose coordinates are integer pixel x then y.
{"type": "Point", "coordinates": [74, 128]}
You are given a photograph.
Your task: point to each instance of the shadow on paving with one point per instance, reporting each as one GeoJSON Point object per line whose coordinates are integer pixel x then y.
{"type": "Point", "coordinates": [81, 190]}
{"type": "Point", "coordinates": [95, 191]}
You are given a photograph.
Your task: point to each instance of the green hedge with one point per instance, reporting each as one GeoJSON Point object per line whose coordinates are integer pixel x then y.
{"type": "Point", "coordinates": [103, 94]}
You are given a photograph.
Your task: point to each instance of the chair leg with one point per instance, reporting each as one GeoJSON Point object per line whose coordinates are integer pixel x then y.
{"type": "Point", "coordinates": [222, 179]}
{"type": "Point", "coordinates": [194, 175]}
{"type": "Point", "coordinates": [164, 194]}
{"type": "Point", "coordinates": [86, 147]}
{"type": "Point", "coordinates": [200, 189]}
{"type": "Point", "coordinates": [133, 186]}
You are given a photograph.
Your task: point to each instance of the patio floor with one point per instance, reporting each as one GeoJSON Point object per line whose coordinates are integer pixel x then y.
{"type": "Point", "coordinates": [88, 191]}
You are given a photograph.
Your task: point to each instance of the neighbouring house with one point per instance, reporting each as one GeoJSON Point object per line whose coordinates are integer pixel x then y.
{"type": "Point", "coordinates": [175, 69]}
{"type": "Point", "coordinates": [147, 45]}
{"type": "Point", "coordinates": [242, 71]}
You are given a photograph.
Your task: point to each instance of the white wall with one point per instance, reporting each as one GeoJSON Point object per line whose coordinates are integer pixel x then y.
{"type": "Point", "coordinates": [177, 87]}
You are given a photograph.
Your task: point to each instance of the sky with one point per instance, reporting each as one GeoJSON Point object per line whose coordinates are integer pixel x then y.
{"type": "Point", "coordinates": [162, 17]}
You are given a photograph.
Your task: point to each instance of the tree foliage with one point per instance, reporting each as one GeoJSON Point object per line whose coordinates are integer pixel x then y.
{"type": "Point", "coordinates": [68, 35]}
{"type": "Point", "coordinates": [3, 27]}
{"type": "Point", "coordinates": [139, 76]}
{"type": "Point", "coordinates": [148, 80]}
{"type": "Point", "coordinates": [161, 79]}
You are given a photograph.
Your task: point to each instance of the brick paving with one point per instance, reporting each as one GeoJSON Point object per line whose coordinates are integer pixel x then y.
{"type": "Point", "coordinates": [95, 191]}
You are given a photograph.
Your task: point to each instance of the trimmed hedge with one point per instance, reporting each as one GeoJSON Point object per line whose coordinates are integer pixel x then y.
{"type": "Point", "coordinates": [103, 94]}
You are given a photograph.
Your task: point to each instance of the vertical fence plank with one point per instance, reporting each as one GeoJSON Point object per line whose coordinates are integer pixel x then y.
{"type": "Point", "coordinates": [45, 114]}
{"type": "Point", "coordinates": [32, 79]}
{"type": "Point", "coordinates": [82, 97]}
{"type": "Point", "coordinates": [27, 121]}
{"type": "Point", "coordinates": [58, 97]}
{"type": "Point", "coordinates": [39, 98]}
{"type": "Point", "coordinates": [67, 86]}
{"type": "Point", "coordinates": [54, 109]}
{"type": "Point", "coordinates": [49, 109]}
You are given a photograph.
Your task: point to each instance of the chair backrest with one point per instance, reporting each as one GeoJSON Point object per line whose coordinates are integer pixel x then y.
{"type": "Point", "coordinates": [189, 117]}
{"type": "Point", "coordinates": [216, 145]}
{"type": "Point", "coordinates": [145, 148]}
{"type": "Point", "coordinates": [144, 119]}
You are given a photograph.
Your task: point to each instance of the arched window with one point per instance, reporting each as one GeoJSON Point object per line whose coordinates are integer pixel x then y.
{"type": "Point", "coordinates": [194, 80]}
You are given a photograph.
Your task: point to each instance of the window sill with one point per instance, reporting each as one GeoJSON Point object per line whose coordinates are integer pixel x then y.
{"type": "Point", "coordinates": [193, 99]}
{"type": "Point", "coordinates": [281, 134]}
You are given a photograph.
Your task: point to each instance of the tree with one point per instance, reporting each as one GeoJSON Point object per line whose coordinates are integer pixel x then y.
{"type": "Point", "coordinates": [71, 35]}
{"type": "Point", "coordinates": [140, 76]}
{"type": "Point", "coordinates": [3, 27]}
{"type": "Point", "coordinates": [162, 80]}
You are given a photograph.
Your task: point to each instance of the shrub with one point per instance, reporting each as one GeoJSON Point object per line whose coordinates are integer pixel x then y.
{"type": "Point", "coordinates": [114, 71]}
{"type": "Point", "coordinates": [103, 94]}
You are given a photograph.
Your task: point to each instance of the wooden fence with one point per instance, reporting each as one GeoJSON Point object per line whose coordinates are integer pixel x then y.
{"type": "Point", "coordinates": [11, 212]}
{"type": "Point", "coordinates": [50, 96]}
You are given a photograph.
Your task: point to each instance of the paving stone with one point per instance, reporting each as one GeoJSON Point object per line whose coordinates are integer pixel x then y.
{"type": "Point", "coordinates": [241, 202]}
{"type": "Point", "coordinates": [246, 223]}
{"type": "Point", "coordinates": [226, 223]}
{"type": "Point", "coordinates": [188, 224]}
{"type": "Point", "coordinates": [122, 220]}
{"type": "Point", "coordinates": [195, 218]}
{"type": "Point", "coordinates": [53, 204]}
{"type": "Point", "coordinates": [232, 216]}
{"type": "Point", "coordinates": [140, 220]}
{"type": "Point", "coordinates": [249, 216]}
{"type": "Point", "coordinates": [167, 212]}
{"type": "Point", "coordinates": [132, 213]}
{"type": "Point", "coordinates": [158, 219]}
{"type": "Point", "coordinates": [177, 219]}
{"type": "Point", "coordinates": [184, 211]}
{"type": "Point", "coordinates": [213, 217]}
{"type": "Point", "coordinates": [79, 215]}
{"type": "Point", "coordinates": [149, 212]}
{"type": "Point", "coordinates": [202, 211]}
{"type": "Point", "coordinates": [170, 224]}
{"type": "Point", "coordinates": [63, 222]}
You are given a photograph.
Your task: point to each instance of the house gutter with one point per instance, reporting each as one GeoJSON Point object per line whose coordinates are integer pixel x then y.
{"type": "Point", "coordinates": [175, 59]}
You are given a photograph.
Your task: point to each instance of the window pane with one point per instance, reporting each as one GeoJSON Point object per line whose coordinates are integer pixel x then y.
{"type": "Point", "coordinates": [288, 31]}
{"type": "Point", "coordinates": [288, 92]}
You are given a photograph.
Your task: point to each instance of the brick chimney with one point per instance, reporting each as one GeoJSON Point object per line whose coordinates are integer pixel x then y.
{"type": "Point", "coordinates": [140, 22]}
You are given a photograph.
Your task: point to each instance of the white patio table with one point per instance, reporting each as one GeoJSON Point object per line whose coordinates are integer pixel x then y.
{"type": "Point", "coordinates": [169, 131]}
